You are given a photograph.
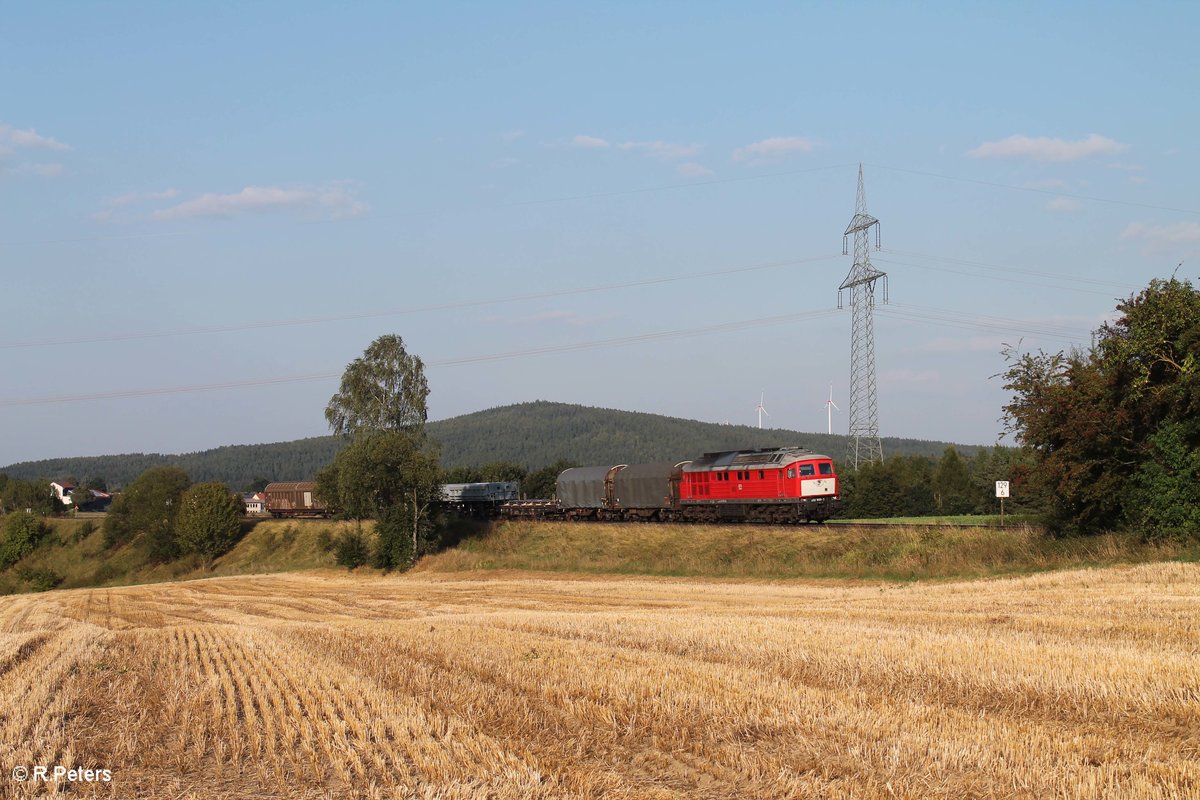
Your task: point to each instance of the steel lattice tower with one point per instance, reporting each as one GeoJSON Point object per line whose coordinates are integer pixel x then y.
{"type": "Point", "coordinates": [864, 445]}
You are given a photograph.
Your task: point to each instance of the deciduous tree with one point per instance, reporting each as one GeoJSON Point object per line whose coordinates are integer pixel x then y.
{"type": "Point", "coordinates": [22, 533]}
{"type": "Point", "coordinates": [384, 389]}
{"type": "Point", "coordinates": [210, 517]}
{"type": "Point", "coordinates": [390, 476]}
{"type": "Point", "coordinates": [1115, 428]}
{"type": "Point", "coordinates": [389, 470]}
{"type": "Point", "coordinates": [148, 507]}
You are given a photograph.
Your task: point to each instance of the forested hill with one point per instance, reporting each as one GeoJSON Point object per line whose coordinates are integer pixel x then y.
{"type": "Point", "coordinates": [532, 434]}
{"type": "Point", "coordinates": [540, 433]}
{"type": "Point", "coordinates": [236, 465]}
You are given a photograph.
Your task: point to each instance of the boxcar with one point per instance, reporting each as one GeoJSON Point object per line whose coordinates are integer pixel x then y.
{"type": "Point", "coordinates": [294, 499]}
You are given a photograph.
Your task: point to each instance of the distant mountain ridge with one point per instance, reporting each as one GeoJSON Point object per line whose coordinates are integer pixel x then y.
{"type": "Point", "coordinates": [533, 434]}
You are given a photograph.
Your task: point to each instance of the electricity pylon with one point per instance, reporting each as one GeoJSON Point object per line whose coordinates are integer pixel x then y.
{"type": "Point", "coordinates": [864, 445]}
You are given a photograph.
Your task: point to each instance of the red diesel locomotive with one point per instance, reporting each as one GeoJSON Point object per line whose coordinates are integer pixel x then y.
{"type": "Point", "coordinates": [774, 485]}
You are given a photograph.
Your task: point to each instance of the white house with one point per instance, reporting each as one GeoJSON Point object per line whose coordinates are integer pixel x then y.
{"type": "Point", "coordinates": [63, 491]}
{"type": "Point", "coordinates": [255, 503]}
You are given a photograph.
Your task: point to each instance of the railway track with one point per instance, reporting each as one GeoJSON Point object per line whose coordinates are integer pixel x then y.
{"type": "Point", "coordinates": [931, 524]}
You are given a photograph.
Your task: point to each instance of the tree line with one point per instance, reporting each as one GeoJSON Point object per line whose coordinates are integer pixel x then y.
{"type": "Point", "coordinates": [532, 434]}
{"type": "Point", "coordinates": [917, 486]}
{"type": "Point", "coordinates": [169, 516]}
{"type": "Point", "coordinates": [1114, 429]}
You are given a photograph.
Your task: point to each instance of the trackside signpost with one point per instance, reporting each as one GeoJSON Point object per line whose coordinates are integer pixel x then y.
{"type": "Point", "coordinates": [1002, 492]}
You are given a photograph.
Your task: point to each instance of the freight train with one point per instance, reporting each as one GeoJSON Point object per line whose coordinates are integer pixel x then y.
{"type": "Point", "coordinates": [299, 498]}
{"type": "Point", "coordinates": [773, 485]}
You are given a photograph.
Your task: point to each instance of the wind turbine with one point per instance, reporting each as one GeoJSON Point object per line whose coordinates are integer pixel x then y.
{"type": "Point", "coordinates": [829, 407]}
{"type": "Point", "coordinates": [761, 409]}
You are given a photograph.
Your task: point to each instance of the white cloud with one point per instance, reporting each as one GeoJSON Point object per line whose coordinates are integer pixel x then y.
{"type": "Point", "coordinates": [773, 149]}
{"type": "Point", "coordinates": [693, 170]}
{"type": "Point", "coordinates": [29, 138]}
{"type": "Point", "coordinates": [1064, 204]}
{"type": "Point", "coordinates": [666, 150]}
{"type": "Point", "coordinates": [512, 136]}
{"type": "Point", "coordinates": [1163, 234]}
{"type": "Point", "coordinates": [504, 163]}
{"type": "Point", "coordinates": [1044, 148]}
{"type": "Point", "coordinates": [1138, 179]}
{"type": "Point", "coordinates": [335, 201]}
{"type": "Point", "coordinates": [589, 141]}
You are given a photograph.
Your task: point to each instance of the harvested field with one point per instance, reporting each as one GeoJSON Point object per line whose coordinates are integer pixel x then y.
{"type": "Point", "coordinates": [521, 685]}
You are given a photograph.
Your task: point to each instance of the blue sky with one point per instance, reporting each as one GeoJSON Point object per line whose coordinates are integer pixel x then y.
{"type": "Point", "coordinates": [634, 206]}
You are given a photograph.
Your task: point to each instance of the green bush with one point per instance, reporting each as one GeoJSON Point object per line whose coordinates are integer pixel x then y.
{"type": "Point", "coordinates": [210, 519]}
{"type": "Point", "coordinates": [351, 550]}
{"type": "Point", "coordinates": [40, 580]}
{"type": "Point", "coordinates": [148, 508]}
{"type": "Point", "coordinates": [22, 533]}
{"type": "Point", "coordinates": [1165, 496]}
{"type": "Point", "coordinates": [104, 573]}
{"type": "Point", "coordinates": [325, 541]}
{"type": "Point", "coordinates": [83, 531]}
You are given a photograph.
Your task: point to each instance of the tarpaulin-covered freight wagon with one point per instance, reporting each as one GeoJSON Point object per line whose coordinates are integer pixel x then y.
{"type": "Point", "coordinates": [647, 485]}
{"type": "Point", "coordinates": [583, 487]}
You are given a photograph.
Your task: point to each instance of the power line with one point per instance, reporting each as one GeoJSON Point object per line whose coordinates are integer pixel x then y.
{"type": "Point", "coordinates": [476, 303]}
{"type": "Point", "coordinates": [1009, 269]}
{"type": "Point", "coordinates": [984, 323]}
{"type": "Point", "coordinates": [453, 362]}
{"type": "Point", "coordinates": [394, 312]}
{"type": "Point", "coordinates": [994, 277]}
{"type": "Point", "coordinates": [913, 313]}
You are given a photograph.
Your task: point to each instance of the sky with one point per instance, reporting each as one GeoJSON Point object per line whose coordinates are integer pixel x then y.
{"type": "Point", "coordinates": [208, 210]}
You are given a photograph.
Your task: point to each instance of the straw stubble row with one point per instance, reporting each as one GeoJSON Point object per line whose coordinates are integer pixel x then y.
{"type": "Point", "coordinates": [1068, 685]}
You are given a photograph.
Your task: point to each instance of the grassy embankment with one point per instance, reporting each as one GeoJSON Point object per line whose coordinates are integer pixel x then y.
{"type": "Point", "coordinates": [74, 551]}
{"type": "Point", "coordinates": [749, 551]}
{"type": "Point", "coordinates": [77, 555]}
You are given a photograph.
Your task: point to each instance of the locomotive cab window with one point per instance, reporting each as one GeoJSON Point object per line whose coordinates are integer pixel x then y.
{"type": "Point", "coordinates": [807, 469]}
{"type": "Point", "coordinates": [826, 468]}
{"type": "Point", "coordinates": [791, 472]}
